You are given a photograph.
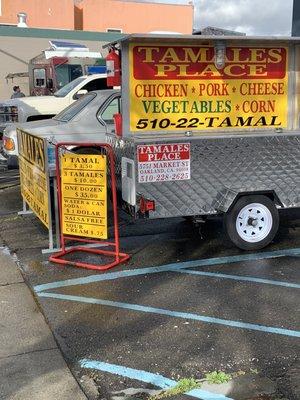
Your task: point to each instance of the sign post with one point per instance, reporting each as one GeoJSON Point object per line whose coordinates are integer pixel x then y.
{"type": "Point", "coordinates": [82, 200]}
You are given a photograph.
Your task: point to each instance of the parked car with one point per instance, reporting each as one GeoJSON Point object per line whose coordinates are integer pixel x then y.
{"type": "Point", "coordinates": [88, 119]}
{"type": "Point", "coordinates": [35, 108]}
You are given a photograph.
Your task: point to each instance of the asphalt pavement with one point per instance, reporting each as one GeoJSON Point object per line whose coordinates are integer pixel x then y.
{"type": "Point", "coordinates": [180, 308]}
{"type": "Point", "coordinates": [8, 178]}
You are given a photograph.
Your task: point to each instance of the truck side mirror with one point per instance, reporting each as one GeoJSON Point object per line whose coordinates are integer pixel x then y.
{"type": "Point", "coordinates": [80, 93]}
{"type": "Point", "coordinates": [49, 83]}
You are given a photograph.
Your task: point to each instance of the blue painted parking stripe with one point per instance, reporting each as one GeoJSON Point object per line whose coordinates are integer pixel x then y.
{"type": "Point", "coordinates": [170, 313]}
{"type": "Point", "coordinates": [148, 377]}
{"type": "Point", "coordinates": [239, 278]}
{"type": "Point", "coordinates": [169, 267]}
{"type": "Point", "coordinates": [101, 278]}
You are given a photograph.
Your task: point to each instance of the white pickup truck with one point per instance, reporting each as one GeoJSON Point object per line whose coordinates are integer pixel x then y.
{"type": "Point", "coordinates": [35, 108]}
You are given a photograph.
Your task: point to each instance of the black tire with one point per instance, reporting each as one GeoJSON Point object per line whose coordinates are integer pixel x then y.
{"type": "Point", "coordinates": [12, 162]}
{"type": "Point", "coordinates": [239, 222]}
{"type": "Point", "coordinates": [87, 150]}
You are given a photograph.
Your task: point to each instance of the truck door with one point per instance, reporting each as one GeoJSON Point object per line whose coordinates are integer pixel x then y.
{"type": "Point", "coordinates": [40, 74]}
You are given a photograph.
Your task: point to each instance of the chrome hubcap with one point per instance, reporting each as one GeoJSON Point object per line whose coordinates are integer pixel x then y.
{"type": "Point", "coordinates": [254, 222]}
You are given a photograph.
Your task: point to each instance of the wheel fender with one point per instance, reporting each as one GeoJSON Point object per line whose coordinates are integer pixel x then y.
{"type": "Point", "coordinates": [227, 198]}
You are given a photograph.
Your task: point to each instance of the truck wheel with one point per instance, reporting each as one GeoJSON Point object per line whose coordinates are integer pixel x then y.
{"type": "Point", "coordinates": [252, 222]}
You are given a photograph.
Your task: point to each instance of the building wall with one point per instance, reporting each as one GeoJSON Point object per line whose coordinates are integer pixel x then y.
{"type": "Point", "coordinates": [99, 15]}
{"type": "Point", "coordinates": [19, 45]}
{"type": "Point", "coordinates": [136, 17]}
{"type": "Point", "coordinates": [40, 13]}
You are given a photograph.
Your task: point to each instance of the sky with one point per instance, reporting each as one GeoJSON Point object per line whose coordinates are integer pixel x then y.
{"type": "Point", "coordinates": [253, 17]}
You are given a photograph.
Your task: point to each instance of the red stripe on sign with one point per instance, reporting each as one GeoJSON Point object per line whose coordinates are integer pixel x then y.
{"type": "Point", "coordinates": [185, 62]}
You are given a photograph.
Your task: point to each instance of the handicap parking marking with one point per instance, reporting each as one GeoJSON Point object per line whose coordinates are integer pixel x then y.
{"type": "Point", "coordinates": [171, 313]}
{"type": "Point", "coordinates": [239, 278]}
{"type": "Point", "coordinates": [169, 268]}
{"type": "Point", "coordinates": [181, 267]}
{"type": "Point", "coordinates": [148, 377]}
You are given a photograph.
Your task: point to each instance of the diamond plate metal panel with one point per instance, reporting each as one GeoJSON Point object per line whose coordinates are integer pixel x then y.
{"type": "Point", "coordinates": [222, 168]}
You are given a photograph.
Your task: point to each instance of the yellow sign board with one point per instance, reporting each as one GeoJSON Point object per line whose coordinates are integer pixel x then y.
{"type": "Point", "coordinates": [33, 177]}
{"type": "Point", "coordinates": [187, 88]}
{"type": "Point", "coordinates": [84, 195]}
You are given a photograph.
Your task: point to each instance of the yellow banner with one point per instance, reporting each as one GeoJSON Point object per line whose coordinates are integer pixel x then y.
{"type": "Point", "coordinates": [84, 195]}
{"type": "Point", "coordinates": [33, 178]}
{"type": "Point", "coordinates": [182, 88]}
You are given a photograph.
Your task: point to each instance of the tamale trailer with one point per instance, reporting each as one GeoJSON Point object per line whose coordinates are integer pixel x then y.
{"type": "Point", "coordinates": [210, 125]}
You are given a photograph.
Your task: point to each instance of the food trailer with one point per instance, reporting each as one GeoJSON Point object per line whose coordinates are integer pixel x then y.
{"type": "Point", "coordinates": [209, 125]}
{"type": "Point", "coordinates": [60, 64]}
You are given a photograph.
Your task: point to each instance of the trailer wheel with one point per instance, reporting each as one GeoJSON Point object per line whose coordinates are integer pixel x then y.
{"type": "Point", "coordinates": [252, 222]}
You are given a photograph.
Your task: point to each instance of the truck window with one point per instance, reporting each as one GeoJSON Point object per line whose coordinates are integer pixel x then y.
{"type": "Point", "coordinates": [39, 77]}
{"type": "Point", "coordinates": [107, 115]}
{"type": "Point", "coordinates": [96, 84]}
{"type": "Point", "coordinates": [69, 87]}
{"type": "Point", "coordinates": [66, 73]}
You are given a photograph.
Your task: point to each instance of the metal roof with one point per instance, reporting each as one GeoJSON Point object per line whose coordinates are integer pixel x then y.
{"type": "Point", "coordinates": [203, 39]}
{"type": "Point", "coordinates": [63, 34]}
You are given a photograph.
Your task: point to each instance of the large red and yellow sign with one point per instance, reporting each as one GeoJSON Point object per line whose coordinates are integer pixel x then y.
{"type": "Point", "coordinates": [181, 88]}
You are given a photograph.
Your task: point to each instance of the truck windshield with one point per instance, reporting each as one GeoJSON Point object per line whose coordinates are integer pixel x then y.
{"type": "Point", "coordinates": [70, 112]}
{"type": "Point", "coordinates": [69, 87]}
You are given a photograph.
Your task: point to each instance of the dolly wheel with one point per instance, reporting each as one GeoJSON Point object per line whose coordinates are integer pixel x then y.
{"type": "Point", "coordinates": [252, 222]}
